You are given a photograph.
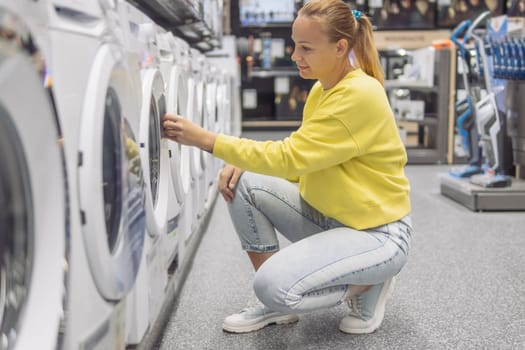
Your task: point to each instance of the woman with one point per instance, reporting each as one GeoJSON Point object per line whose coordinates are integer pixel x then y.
{"type": "Point", "coordinates": [348, 217]}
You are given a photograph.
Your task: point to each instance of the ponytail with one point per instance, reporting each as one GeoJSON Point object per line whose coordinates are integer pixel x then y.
{"type": "Point", "coordinates": [365, 51]}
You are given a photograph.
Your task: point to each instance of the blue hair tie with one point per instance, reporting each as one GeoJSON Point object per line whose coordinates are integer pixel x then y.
{"type": "Point", "coordinates": [357, 14]}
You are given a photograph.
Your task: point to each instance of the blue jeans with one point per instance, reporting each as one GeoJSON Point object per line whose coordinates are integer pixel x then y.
{"type": "Point", "coordinates": [325, 257]}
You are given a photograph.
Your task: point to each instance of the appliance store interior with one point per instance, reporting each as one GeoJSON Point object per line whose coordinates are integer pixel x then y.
{"type": "Point", "coordinates": [114, 236]}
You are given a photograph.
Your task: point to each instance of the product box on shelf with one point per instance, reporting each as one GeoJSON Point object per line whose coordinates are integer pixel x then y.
{"type": "Point", "coordinates": [516, 8]}
{"type": "Point", "coordinates": [450, 13]}
{"type": "Point", "coordinates": [402, 14]}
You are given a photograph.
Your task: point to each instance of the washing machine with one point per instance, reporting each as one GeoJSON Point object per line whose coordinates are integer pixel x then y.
{"type": "Point", "coordinates": [196, 91]}
{"type": "Point", "coordinates": [145, 301]}
{"type": "Point", "coordinates": [209, 123]}
{"type": "Point", "coordinates": [98, 114]}
{"type": "Point", "coordinates": [34, 230]}
{"type": "Point", "coordinates": [195, 165]}
{"type": "Point", "coordinates": [203, 91]}
{"type": "Point", "coordinates": [231, 122]}
{"type": "Point", "coordinates": [181, 170]}
{"type": "Point", "coordinates": [220, 112]}
{"type": "Point", "coordinates": [167, 53]}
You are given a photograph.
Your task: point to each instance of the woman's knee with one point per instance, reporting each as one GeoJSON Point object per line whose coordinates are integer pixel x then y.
{"type": "Point", "coordinates": [246, 183]}
{"type": "Point", "coordinates": [271, 289]}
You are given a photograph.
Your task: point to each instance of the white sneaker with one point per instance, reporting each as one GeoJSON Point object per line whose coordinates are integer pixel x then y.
{"type": "Point", "coordinates": [367, 309]}
{"type": "Point", "coordinates": [254, 318]}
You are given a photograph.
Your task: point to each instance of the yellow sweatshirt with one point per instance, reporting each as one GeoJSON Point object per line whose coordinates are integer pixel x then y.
{"type": "Point", "coordinates": [347, 154]}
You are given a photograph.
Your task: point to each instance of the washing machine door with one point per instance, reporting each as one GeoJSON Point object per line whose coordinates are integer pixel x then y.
{"type": "Point", "coordinates": [33, 197]}
{"type": "Point", "coordinates": [179, 160]}
{"type": "Point", "coordinates": [111, 189]}
{"type": "Point", "coordinates": [154, 152]}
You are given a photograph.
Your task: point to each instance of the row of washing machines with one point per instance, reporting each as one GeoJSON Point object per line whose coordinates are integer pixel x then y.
{"type": "Point", "coordinates": [96, 207]}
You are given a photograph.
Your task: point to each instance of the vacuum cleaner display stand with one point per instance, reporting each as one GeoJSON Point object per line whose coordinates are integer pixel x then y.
{"type": "Point", "coordinates": [485, 192]}
{"type": "Point", "coordinates": [491, 189]}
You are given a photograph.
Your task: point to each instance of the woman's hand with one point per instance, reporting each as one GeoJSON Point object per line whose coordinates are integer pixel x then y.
{"type": "Point", "coordinates": [183, 131]}
{"type": "Point", "coordinates": [228, 178]}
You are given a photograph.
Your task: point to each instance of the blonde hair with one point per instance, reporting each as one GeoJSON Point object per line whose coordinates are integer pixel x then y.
{"type": "Point", "coordinates": [340, 23]}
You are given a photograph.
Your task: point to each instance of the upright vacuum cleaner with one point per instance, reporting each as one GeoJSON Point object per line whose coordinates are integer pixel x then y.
{"type": "Point", "coordinates": [466, 122]}
{"type": "Point", "coordinates": [490, 122]}
{"type": "Point", "coordinates": [480, 124]}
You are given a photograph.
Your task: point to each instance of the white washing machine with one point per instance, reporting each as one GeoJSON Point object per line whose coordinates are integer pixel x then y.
{"type": "Point", "coordinates": [223, 112]}
{"type": "Point", "coordinates": [146, 299]}
{"type": "Point", "coordinates": [196, 89]}
{"type": "Point", "coordinates": [34, 232]}
{"type": "Point", "coordinates": [229, 120]}
{"type": "Point", "coordinates": [219, 112]}
{"type": "Point", "coordinates": [209, 123]}
{"type": "Point", "coordinates": [166, 54]}
{"type": "Point", "coordinates": [224, 59]}
{"type": "Point", "coordinates": [97, 110]}
{"type": "Point", "coordinates": [181, 167]}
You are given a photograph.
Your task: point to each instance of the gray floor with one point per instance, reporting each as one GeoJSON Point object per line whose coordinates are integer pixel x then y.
{"type": "Point", "coordinates": [463, 288]}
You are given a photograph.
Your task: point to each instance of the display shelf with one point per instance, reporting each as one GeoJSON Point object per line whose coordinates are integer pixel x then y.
{"type": "Point", "coordinates": [430, 119]}
{"type": "Point", "coordinates": [194, 21]}
{"type": "Point", "coordinates": [271, 124]}
{"type": "Point", "coordinates": [264, 73]}
{"type": "Point", "coordinates": [426, 138]}
{"type": "Point", "coordinates": [273, 98]}
{"type": "Point", "coordinates": [408, 39]}
{"type": "Point", "coordinates": [411, 85]}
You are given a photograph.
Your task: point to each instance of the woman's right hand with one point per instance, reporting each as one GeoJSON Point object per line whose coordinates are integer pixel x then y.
{"type": "Point", "coordinates": [228, 178]}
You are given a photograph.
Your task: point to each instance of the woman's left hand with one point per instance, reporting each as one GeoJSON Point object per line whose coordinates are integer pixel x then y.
{"type": "Point", "coordinates": [182, 130]}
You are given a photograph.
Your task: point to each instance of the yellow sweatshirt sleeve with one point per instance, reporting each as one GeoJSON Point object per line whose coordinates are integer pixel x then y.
{"type": "Point", "coordinates": [321, 142]}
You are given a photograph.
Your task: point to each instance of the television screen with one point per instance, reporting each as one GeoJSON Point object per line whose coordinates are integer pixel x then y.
{"type": "Point", "coordinates": [266, 12]}
{"type": "Point", "coordinates": [516, 8]}
{"type": "Point", "coordinates": [402, 14]}
{"type": "Point", "coordinates": [453, 12]}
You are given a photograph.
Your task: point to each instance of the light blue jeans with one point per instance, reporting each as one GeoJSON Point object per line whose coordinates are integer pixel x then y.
{"type": "Point", "coordinates": [325, 257]}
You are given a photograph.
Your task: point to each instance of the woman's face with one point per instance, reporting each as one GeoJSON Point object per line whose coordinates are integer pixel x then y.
{"type": "Point", "coordinates": [314, 54]}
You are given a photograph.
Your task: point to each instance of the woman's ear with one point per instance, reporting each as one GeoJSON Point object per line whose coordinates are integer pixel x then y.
{"type": "Point", "coordinates": [341, 47]}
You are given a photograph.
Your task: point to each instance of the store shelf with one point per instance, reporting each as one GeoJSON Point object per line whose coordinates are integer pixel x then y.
{"type": "Point", "coordinates": [428, 120]}
{"type": "Point", "coordinates": [427, 143]}
{"type": "Point", "coordinates": [408, 39]}
{"type": "Point", "coordinates": [271, 124]}
{"type": "Point", "coordinates": [420, 86]}
{"type": "Point", "coordinates": [186, 19]}
{"type": "Point", "coordinates": [266, 73]}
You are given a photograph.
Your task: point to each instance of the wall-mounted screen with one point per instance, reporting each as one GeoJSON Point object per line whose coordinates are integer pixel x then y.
{"type": "Point", "coordinates": [266, 12]}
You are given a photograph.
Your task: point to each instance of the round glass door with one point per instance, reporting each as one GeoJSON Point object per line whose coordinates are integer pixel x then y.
{"type": "Point", "coordinates": [153, 153]}
{"type": "Point", "coordinates": [110, 178]}
{"type": "Point", "coordinates": [16, 230]}
{"type": "Point", "coordinates": [112, 167]}
{"type": "Point", "coordinates": [154, 149]}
